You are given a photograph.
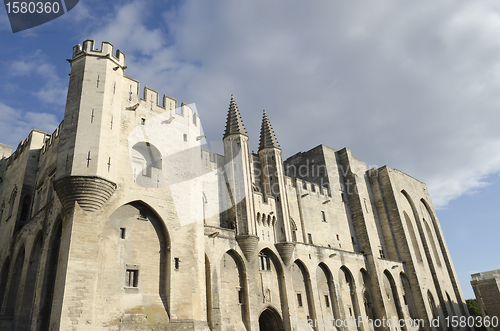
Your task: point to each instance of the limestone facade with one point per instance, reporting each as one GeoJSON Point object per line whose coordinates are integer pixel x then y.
{"type": "Point", "coordinates": [120, 220]}
{"type": "Point", "coordinates": [486, 286]}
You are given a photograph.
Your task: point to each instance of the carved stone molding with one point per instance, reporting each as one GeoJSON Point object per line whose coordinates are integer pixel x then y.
{"type": "Point", "coordinates": [90, 192]}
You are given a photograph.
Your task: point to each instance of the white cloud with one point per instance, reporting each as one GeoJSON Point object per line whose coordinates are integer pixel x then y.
{"type": "Point", "coordinates": [17, 124]}
{"type": "Point", "coordinates": [37, 65]}
{"type": "Point", "coordinates": [410, 85]}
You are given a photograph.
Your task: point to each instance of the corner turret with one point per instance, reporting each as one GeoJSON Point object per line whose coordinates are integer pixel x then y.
{"type": "Point", "coordinates": [87, 156]}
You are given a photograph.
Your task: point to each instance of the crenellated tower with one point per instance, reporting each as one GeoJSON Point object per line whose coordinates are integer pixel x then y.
{"type": "Point", "coordinates": [273, 184]}
{"type": "Point", "coordinates": [238, 177]}
{"type": "Point", "coordinates": [85, 164]}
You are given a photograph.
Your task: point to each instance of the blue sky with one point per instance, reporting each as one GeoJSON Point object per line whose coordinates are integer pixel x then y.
{"type": "Point", "coordinates": [411, 85]}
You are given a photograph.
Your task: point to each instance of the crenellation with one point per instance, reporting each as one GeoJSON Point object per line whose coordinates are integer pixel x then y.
{"type": "Point", "coordinates": [106, 51]}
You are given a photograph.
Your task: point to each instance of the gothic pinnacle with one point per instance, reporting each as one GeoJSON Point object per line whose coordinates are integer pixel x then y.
{"type": "Point", "coordinates": [267, 137]}
{"type": "Point", "coordinates": [234, 124]}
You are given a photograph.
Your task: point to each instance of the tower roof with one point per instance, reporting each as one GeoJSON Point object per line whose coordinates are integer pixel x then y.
{"type": "Point", "coordinates": [234, 124]}
{"type": "Point", "coordinates": [267, 137]}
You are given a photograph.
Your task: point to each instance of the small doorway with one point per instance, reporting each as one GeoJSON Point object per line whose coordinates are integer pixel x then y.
{"type": "Point", "coordinates": [270, 320]}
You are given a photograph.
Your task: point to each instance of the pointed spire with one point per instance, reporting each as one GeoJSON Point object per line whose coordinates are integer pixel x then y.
{"type": "Point", "coordinates": [234, 124]}
{"type": "Point", "coordinates": [267, 137]}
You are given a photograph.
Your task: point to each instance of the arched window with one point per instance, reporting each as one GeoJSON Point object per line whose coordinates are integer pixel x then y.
{"type": "Point", "coordinates": [147, 165]}
{"type": "Point", "coordinates": [264, 262]}
{"type": "Point", "coordinates": [12, 201]}
{"type": "Point", "coordinates": [413, 238]}
{"type": "Point", "coordinates": [294, 230]}
{"type": "Point", "coordinates": [2, 208]}
{"type": "Point", "coordinates": [25, 208]}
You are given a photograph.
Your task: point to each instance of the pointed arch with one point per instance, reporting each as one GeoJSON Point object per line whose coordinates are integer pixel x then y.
{"type": "Point", "coordinates": [15, 279]}
{"type": "Point", "coordinates": [208, 290]}
{"type": "Point", "coordinates": [348, 292]}
{"type": "Point", "coordinates": [25, 209]}
{"type": "Point", "coordinates": [233, 293]}
{"type": "Point", "coordinates": [444, 252]}
{"type": "Point", "coordinates": [137, 236]}
{"type": "Point", "coordinates": [367, 291]}
{"type": "Point", "coordinates": [427, 251]}
{"type": "Point", "coordinates": [408, 295]}
{"type": "Point", "coordinates": [431, 240]}
{"type": "Point", "coordinates": [30, 283]}
{"type": "Point", "coordinates": [391, 291]}
{"type": "Point", "coordinates": [327, 294]}
{"type": "Point", "coordinates": [413, 238]}
{"type": "Point", "coordinates": [272, 279]}
{"type": "Point", "coordinates": [12, 201]}
{"type": "Point", "coordinates": [303, 290]}
{"type": "Point", "coordinates": [293, 227]}
{"type": "Point", "coordinates": [432, 305]}
{"type": "Point", "coordinates": [450, 303]}
{"type": "Point", "coordinates": [49, 276]}
{"type": "Point", "coordinates": [147, 165]}
{"type": "Point", "coordinates": [4, 276]}
{"type": "Point", "coordinates": [270, 320]}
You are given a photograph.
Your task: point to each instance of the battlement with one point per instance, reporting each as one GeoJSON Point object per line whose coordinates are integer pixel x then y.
{"type": "Point", "coordinates": [49, 139]}
{"type": "Point", "coordinates": [107, 48]}
{"type": "Point", "coordinates": [27, 142]}
{"type": "Point", "coordinates": [308, 187]}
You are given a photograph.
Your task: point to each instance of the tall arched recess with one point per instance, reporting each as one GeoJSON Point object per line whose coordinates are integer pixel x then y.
{"type": "Point", "coordinates": [233, 292]}
{"type": "Point", "coordinates": [413, 238]}
{"type": "Point", "coordinates": [408, 295]}
{"type": "Point", "coordinates": [349, 298]}
{"type": "Point", "coordinates": [13, 290]}
{"type": "Point", "coordinates": [327, 295]}
{"type": "Point", "coordinates": [427, 250]}
{"type": "Point", "coordinates": [4, 276]}
{"type": "Point", "coordinates": [272, 286]}
{"type": "Point", "coordinates": [302, 289]}
{"type": "Point", "coordinates": [208, 290]}
{"type": "Point", "coordinates": [444, 252]}
{"type": "Point", "coordinates": [49, 277]}
{"type": "Point", "coordinates": [29, 285]}
{"type": "Point", "coordinates": [393, 308]}
{"type": "Point", "coordinates": [135, 251]}
{"type": "Point", "coordinates": [367, 291]}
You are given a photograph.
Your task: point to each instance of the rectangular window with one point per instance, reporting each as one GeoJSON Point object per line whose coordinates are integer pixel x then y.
{"type": "Point", "coordinates": [264, 263]}
{"type": "Point", "coordinates": [142, 214]}
{"type": "Point", "coordinates": [327, 301]}
{"type": "Point", "coordinates": [185, 137]}
{"type": "Point", "coordinates": [132, 278]}
{"type": "Point", "coordinates": [381, 252]}
{"type": "Point", "coordinates": [310, 238]}
{"type": "Point", "coordinates": [323, 216]}
{"type": "Point", "coordinates": [122, 233]}
{"type": "Point", "coordinates": [299, 299]}
{"type": "Point", "coordinates": [143, 121]}
{"type": "Point", "coordinates": [240, 296]}
{"type": "Point", "coordinates": [176, 263]}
